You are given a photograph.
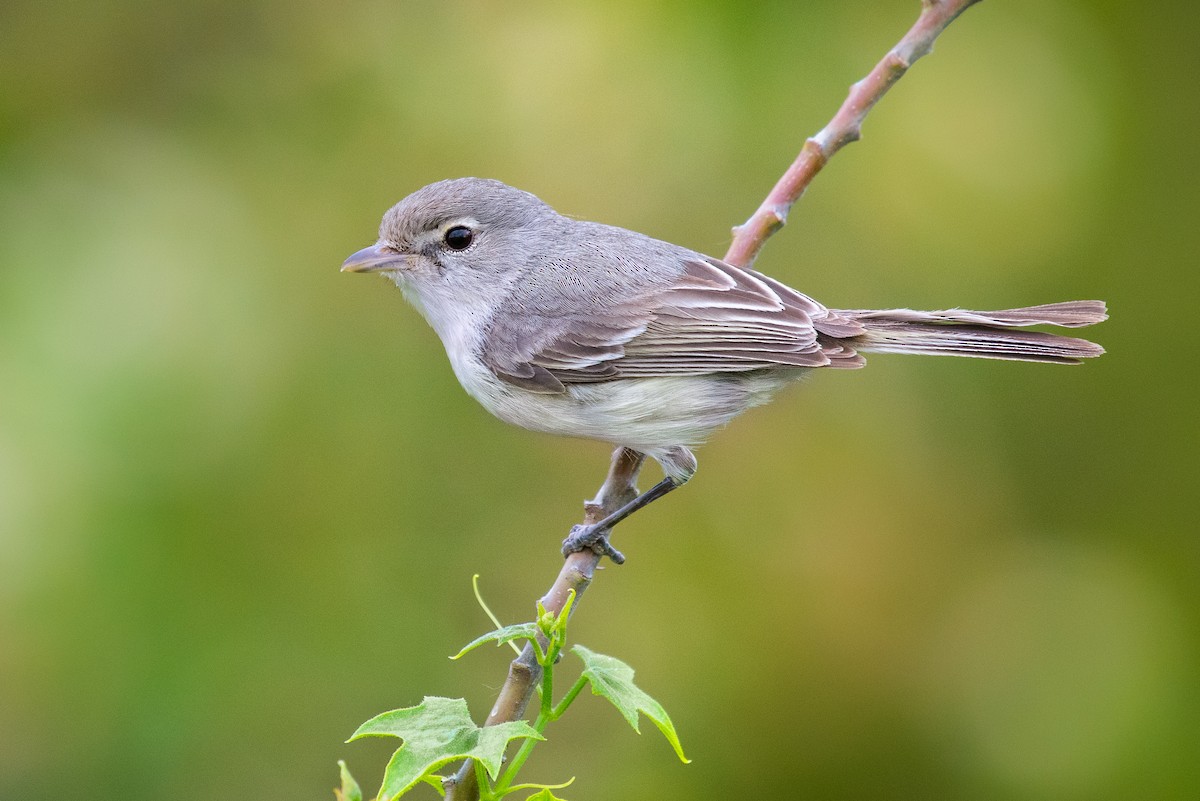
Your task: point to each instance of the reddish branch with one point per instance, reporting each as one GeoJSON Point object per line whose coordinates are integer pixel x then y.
{"type": "Point", "coordinates": [845, 127]}
{"type": "Point", "coordinates": [524, 672]}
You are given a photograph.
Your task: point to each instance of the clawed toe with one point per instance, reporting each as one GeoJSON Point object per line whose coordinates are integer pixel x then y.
{"type": "Point", "coordinates": [591, 538]}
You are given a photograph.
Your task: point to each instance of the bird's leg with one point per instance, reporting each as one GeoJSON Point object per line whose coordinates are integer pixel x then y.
{"type": "Point", "coordinates": [595, 536]}
{"type": "Point", "coordinates": [620, 486]}
{"type": "Point", "coordinates": [678, 463]}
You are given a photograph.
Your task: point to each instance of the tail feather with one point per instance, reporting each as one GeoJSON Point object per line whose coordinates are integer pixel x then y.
{"type": "Point", "coordinates": [981, 334]}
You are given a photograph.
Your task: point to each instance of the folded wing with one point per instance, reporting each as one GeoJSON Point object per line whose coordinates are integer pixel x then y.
{"type": "Point", "coordinates": [712, 318]}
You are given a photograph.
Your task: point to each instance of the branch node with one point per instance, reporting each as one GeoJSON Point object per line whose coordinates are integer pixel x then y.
{"type": "Point", "coordinates": [844, 128]}
{"type": "Point", "coordinates": [900, 63]}
{"type": "Point", "coordinates": [576, 576]}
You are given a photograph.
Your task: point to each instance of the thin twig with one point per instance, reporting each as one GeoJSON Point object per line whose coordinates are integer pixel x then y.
{"type": "Point", "coordinates": [619, 488]}
{"type": "Point", "coordinates": [577, 572]}
{"type": "Point", "coordinates": [844, 128]}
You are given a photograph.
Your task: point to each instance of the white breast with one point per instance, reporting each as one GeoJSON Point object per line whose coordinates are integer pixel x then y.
{"type": "Point", "coordinates": [646, 414]}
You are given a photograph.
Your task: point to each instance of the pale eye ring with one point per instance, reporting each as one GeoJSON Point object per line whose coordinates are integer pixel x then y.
{"type": "Point", "coordinates": [459, 237]}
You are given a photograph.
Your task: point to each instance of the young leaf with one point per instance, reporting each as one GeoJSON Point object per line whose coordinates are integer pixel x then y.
{"type": "Point", "coordinates": [544, 794]}
{"type": "Point", "coordinates": [437, 731]}
{"type": "Point", "coordinates": [613, 679]}
{"type": "Point", "coordinates": [349, 791]}
{"type": "Point", "coordinates": [517, 631]}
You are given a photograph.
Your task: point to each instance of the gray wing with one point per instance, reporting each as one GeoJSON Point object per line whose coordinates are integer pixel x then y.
{"type": "Point", "coordinates": [710, 318]}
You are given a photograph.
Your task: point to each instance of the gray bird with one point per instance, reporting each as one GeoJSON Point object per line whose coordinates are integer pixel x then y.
{"type": "Point", "coordinates": [588, 330]}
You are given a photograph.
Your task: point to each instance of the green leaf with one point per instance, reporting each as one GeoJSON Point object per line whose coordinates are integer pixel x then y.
{"type": "Point", "coordinates": [349, 791]}
{"type": "Point", "coordinates": [517, 631]}
{"type": "Point", "coordinates": [613, 679]}
{"type": "Point", "coordinates": [437, 731]}
{"type": "Point", "coordinates": [436, 782]}
{"type": "Point", "coordinates": [545, 795]}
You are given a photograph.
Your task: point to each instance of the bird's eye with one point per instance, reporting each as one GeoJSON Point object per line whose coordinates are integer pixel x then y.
{"type": "Point", "coordinates": [459, 237]}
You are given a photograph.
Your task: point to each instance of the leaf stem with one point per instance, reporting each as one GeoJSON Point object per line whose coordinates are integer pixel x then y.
{"type": "Point", "coordinates": [547, 690]}
{"type": "Point", "coordinates": [486, 791]}
{"type": "Point", "coordinates": [503, 786]}
{"type": "Point", "coordinates": [546, 716]}
{"type": "Point", "coordinates": [571, 695]}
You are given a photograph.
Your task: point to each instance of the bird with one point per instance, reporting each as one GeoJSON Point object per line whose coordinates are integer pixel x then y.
{"type": "Point", "coordinates": [582, 329]}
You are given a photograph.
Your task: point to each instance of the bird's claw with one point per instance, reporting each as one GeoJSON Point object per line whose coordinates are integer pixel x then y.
{"type": "Point", "coordinates": [594, 539]}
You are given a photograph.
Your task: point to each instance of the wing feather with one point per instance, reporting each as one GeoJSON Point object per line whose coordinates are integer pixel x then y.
{"type": "Point", "coordinates": [711, 318]}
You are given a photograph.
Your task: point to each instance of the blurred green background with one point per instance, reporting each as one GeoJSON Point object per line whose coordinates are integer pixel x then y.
{"type": "Point", "coordinates": [242, 495]}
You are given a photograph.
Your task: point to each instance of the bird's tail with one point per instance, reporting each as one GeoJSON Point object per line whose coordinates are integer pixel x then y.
{"type": "Point", "coordinates": [982, 334]}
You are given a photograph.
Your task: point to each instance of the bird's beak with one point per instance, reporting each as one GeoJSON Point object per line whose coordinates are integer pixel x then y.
{"type": "Point", "coordinates": [373, 259]}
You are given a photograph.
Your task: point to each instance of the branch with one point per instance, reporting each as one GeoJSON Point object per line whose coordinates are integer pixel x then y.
{"type": "Point", "coordinates": [844, 128]}
{"type": "Point", "coordinates": [577, 572]}
{"type": "Point", "coordinates": [619, 488]}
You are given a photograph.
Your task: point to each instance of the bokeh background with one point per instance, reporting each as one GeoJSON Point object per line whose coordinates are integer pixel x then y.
{"type": "Point", "coordinates": [242, 496]}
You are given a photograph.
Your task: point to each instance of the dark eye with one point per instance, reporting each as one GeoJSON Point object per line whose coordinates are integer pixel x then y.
{"type": "Point", "coordinates": [459, 237]}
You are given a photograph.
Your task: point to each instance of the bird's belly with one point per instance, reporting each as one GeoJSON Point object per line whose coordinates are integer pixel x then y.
{"type": "Point", "coordinates": [646, 414]}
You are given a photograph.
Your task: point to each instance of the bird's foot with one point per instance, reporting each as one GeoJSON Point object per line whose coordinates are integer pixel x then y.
{"type": "Point", "coordinates": [591, 538]}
